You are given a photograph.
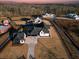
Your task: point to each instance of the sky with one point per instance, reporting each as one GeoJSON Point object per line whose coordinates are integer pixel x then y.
{"type": "Point", "coordinates": [41, 1]}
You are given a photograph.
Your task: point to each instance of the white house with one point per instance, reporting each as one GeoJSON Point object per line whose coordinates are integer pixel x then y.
{"type": "Point", "coordinates": [38, 20]}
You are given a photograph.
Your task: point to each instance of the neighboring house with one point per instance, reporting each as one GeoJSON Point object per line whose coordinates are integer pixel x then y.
{"type": "Point", "coordinates": [73, 16]}
{"type": "Point", "coordinates": [52, 16]}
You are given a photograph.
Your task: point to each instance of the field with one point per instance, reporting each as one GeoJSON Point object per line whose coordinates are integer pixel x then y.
{"type": "Point", "coordinates": [72, 27]}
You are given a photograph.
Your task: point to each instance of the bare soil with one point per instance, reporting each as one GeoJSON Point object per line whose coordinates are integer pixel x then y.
{"type": "Point", "coordinates": [47, 48]}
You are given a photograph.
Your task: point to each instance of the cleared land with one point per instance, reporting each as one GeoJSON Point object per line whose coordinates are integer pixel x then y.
{"type": "Point", "coordinates": [47, 48]}
{"type": "Point", "coordinates": [71, 30]}
{"type": "Point", "coordinates": [71, 27]}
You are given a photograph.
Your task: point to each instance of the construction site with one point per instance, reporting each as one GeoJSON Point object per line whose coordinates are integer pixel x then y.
{"type": "Point", "coordinates": [39, 38]}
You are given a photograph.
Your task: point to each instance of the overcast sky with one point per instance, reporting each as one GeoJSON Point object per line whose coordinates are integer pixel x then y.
{"type": "Point", "coordinates": [41, 1]}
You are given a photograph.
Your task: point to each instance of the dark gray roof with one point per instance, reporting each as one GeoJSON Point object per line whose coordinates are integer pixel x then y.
{"type": "Point", "coordinates": [17, 37]}
{"type": "Point", "coordinates": [35, 31]}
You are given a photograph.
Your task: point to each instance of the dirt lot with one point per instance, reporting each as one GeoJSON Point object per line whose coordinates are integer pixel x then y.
{"type": "Point", "coordinates": [51, 48]}
{"type": "Point", "coordinates": [13, 52]}
{"type": "Point", "coordinates": [47, 48]}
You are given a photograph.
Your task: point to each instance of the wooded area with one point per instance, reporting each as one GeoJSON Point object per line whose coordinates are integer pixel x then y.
{"type": "Point", "coordinates": [27, 9]}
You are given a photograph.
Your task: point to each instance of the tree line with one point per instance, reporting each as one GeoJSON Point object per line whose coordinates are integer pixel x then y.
{"type": "Point", "coordinates": [26, 9]}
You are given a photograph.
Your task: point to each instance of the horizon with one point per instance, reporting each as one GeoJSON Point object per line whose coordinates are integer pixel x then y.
{"type": "Point", "coordinates": [42, 1]}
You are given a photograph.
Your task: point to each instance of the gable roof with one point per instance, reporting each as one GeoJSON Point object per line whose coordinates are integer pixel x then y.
{"type": "Point", "coordinates": [35, 29]}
